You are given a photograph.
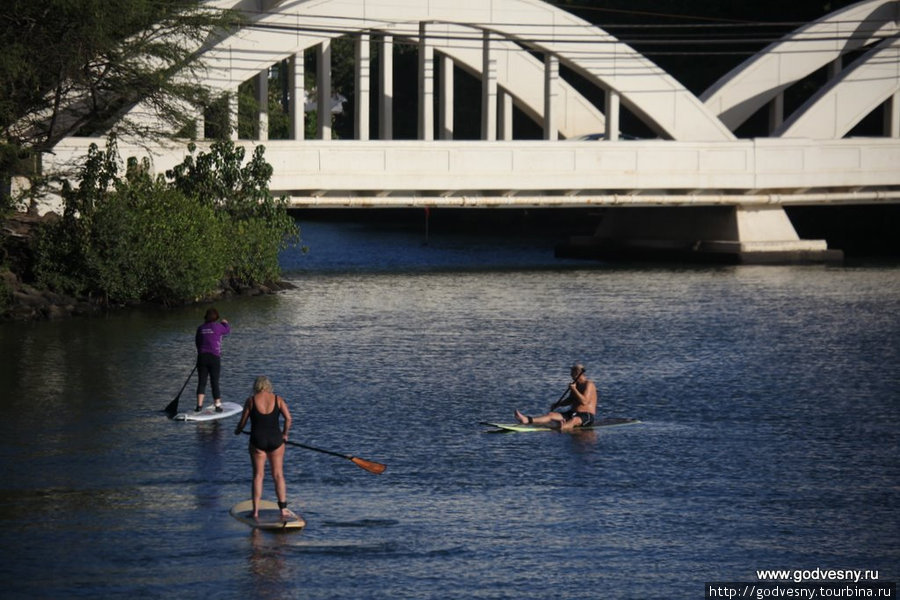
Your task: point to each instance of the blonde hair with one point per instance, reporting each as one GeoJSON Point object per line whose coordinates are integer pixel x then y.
{"type": "Point", "coordinates": [262, 384]}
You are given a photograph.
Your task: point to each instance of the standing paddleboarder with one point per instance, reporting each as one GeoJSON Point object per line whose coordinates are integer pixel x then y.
{"type": "Point", "coordinates": [264, 409]}
{"type": "Point", "coordinates": [209, 356]}
{"type": "Point", "coordinates": [581, 399]}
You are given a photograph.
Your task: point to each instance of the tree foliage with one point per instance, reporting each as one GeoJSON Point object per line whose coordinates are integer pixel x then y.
{"type": "Point", "coordinates": [258, 226]}
{"type": "Point", "coordinates": [71, 65]}
{"type": "Point", "coordinates": [75, 66]}
{"type": "Point", "coordinates": [127, 238]}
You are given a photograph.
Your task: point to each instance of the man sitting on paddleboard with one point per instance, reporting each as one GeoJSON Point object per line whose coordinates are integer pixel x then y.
{"type": "Point", "coordinates": [581, 399]}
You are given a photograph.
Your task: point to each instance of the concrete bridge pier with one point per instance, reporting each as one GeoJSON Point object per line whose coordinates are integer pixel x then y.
{"type": "Point", "coordinates": [754, 234]}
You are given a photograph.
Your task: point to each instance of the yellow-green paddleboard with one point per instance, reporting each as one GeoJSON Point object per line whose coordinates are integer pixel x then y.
{"type": "Point", "coordinates": [520, 427]}
{"type": "Point", "coordinates": [269, 516]}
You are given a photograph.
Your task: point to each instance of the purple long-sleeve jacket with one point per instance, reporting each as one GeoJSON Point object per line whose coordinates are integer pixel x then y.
{"type": "Point", "coordinates": [209, 337]}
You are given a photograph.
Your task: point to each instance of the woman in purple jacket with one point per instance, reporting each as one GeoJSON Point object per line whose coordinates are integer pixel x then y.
{"type": "Point", "coordinates": [209, 356]}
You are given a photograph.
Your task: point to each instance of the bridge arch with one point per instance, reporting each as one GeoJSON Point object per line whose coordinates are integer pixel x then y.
{"type": "Point", "coordinates": [836, 108]}
{"type": "Point", "coordinates": [517, 28]}
{"type": "Point", "coordinates": [759, 80]}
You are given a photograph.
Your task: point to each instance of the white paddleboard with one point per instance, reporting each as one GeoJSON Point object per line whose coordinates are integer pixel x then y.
{"type": "Point", "coordinates": [269, 516]}
{"type": "Point", "coordinates": [229, 409]}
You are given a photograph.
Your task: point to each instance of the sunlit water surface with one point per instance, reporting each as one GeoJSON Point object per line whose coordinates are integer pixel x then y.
{"type": "Point", "coordinates": [769, 398]}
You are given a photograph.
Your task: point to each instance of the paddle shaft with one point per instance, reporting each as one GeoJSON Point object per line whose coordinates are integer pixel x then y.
{"type": "Point", "coordinates": [314, 449]}
{"type": "Point", "coordinates": [566, 393]}
{"type": "Point", "coordinates": [172, 407]}
{"type": "Point", "coordinates": [368, 465]}
{"type": "Point", "coordinates": [186, 381]}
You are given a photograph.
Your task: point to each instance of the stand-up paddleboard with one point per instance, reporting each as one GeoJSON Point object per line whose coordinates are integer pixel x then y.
{"type": "Point", "coordinates": [520, 427]}
{"type": "Point", "coordinates": [229, 409]}
{"type": "Point", "coordinates": [269, 516]}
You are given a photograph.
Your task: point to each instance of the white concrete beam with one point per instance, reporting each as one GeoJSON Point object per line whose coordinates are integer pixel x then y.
{"type": "Point", "coordinates": [446, 99]}
{"type": "Point", "coordinates": [386, 88]}
{"type": "Point", "coordinates": [613, 108]}
{"type": "Point", "coordinates": [262, 100]}
{"type": "Point", "coordinates": [426, 85]}
{"type": "Point", "coordinates": [233, 114]}
{"type": "Point", "coordinates": [488, 90]}
{"type": "Point", "coordinates": [297, 87]}
{"type": "Point", "coordinates": [551, 81]}
{"type": "Point", "coordinates": [505, 116]}
{"type": "Point", "coordinates": [323, 89]}
{"type": "Point", "coordinates": [362, 77]}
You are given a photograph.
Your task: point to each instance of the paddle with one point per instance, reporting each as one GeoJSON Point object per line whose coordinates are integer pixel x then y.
{"type": "Point", "coordinates": [566, 393]}
{"type": "Point", "coordinates": [369, 465]}
{"type": "Point", "coordinates": [172, 408]}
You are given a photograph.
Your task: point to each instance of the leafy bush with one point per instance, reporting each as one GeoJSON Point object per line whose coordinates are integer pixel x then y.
{"type": "Point", "coordinates": [137, 238]}
{"type": "Point", "coordinates": [258, 226]}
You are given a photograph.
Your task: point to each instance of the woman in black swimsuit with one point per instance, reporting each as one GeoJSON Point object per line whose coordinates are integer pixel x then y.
{"type": "Point", "coordinates": [266, 439]}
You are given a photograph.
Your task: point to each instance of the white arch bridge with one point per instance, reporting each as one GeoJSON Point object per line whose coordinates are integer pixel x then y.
{"type": "Point", "coordinates": [696, 184]}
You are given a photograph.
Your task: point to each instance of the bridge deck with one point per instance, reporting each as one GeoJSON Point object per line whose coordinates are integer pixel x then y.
{"type": "Point", "coordinates": [376, 174]}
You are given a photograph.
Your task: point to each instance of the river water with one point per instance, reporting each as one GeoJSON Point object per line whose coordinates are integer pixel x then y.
{"type": "Point", "coordinates": [769, 396]}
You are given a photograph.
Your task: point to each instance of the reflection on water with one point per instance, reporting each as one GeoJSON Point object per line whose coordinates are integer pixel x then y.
{"type": "Point", "coordinates": [767, 395]}
{"type": "Point", "coordinates": [267, 563]}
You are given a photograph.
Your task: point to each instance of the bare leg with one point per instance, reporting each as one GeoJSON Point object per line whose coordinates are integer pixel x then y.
{"type": "Point", "coordinates": [554, 419]}
{"type": "Point", "coordinates": [258, 460]}
{"type": "Point", "coordinates": [551, 418]}
{"type": "Point", "coordinates": [276, 462]}
{"type": "Point", "coordinates": [200, 400]}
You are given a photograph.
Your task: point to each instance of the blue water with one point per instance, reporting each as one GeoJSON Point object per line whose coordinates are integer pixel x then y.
{"type": "Point", "coordinates": [769, 398]}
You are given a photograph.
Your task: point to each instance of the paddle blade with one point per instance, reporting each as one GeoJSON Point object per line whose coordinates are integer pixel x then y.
{"type": "Point", "coordinates": [172, 409]}
{"type": "Point", "coordinates": [369, 465]}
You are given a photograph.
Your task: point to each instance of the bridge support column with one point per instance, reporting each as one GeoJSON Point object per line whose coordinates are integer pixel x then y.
{"type": "Point", "coordinates": [323, 87]}
{"type": "Point", "coordinates": [776, 112]}
{"type": "Point", "coordinates": [199, 125]}
{"type": "Point", "coordinates": [446, 98]}
{"type": "Point", "coordinates": [262, 100]}
{"type": "Point", "coordinates": [363, 78]}
{"type": "Point", "coordinates": [505, 116]}
{"type": "Point", "coordinates": [551, 81]}
{"type": "Point", "coordinates": [892, 116]}
{"type": "Point", "coordinates": [426, 85]}
{"type": "Point", "coordinates": [729, 234]}
{"type": "Point", "coordinates": [488, 91]}
{"type": "Point", "coordinates": [613, 103]}
{"type": "Point", "coordinates": [297, 85]}
{"type": "Point", "coordinates": [386, 88]}
{"type": "Point", "coordinates": [233, 115]}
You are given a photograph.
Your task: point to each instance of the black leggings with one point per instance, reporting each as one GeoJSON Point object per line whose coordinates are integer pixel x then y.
{"type": "Point", "coordinates": [209, 365]}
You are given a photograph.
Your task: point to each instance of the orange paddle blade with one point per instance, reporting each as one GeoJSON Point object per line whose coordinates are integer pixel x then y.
{"type": "Point", "coordinates": [369, 465]}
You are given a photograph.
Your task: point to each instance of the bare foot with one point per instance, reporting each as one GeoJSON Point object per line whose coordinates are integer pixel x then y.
{"type": "Point", "coordinates": [521, 418]}
{"type": "Point", "coordinates": [567, 425]}
{"type": "Point", "coordinates": [286, 514]}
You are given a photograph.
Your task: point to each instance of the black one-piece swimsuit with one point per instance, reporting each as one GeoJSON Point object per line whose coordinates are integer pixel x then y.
{"type": "Point", "coordinates": [265, 432]}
